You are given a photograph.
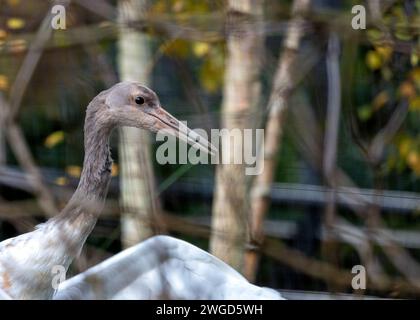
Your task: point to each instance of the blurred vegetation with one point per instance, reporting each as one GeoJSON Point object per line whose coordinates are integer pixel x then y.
{"type": "Point", "coordinates": [380, 70]}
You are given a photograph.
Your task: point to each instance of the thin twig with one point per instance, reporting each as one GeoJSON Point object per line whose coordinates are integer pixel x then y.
{"type": "Point", "coordinates": [21, 150]}
{"type": "Point", "coordinates": [311, 150]}
{"type": "Point", "coordinates": [11, 108]}
{"type": "Point", "coordinates": [277, 106]}
{"type": "Point", "coordinates": [29, 64]}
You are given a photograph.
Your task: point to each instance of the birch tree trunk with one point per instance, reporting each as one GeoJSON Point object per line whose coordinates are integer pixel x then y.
{"type": "Point", "coordinates": [242, 90]}
{"type": "Point", "coordinates": [283, 84]}
{"type": "Point", "coordinates": [140, 206]}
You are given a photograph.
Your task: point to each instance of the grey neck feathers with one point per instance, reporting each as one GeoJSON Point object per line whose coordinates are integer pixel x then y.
{"type": "Point", "coordinates": [97, 163]}
{"type": "Point", "coordinates": [79, 216]}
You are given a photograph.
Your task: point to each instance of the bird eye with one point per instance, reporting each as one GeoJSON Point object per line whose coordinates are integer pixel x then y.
{"type": "Point", "coordinates": [139, 100]}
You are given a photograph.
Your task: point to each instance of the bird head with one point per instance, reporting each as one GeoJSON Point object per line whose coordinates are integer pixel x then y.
{"type": "Point", "coordinates": [134, 105]}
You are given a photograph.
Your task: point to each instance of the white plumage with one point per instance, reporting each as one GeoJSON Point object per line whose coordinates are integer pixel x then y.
{"type": "Point", "coordinates": [162, 267]}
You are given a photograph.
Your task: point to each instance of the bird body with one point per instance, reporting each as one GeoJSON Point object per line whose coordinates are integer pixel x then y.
{"type": "Point", "coordinates": [26, 263]}
{"type": "Point", "coordinates": [162, 267]}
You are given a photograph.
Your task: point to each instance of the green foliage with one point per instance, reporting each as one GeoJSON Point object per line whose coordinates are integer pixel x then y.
{"type": "Point", "coordinates": [393, 75]}
{"type": "Point", "coordinates": [209, 56]}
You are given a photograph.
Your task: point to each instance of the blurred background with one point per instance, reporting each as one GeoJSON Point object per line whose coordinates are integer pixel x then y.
{"type": "Point", "coordinates": [339, 100]}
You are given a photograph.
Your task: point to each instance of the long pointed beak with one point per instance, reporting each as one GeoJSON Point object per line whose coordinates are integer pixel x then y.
{"type": "Point", "coordinates": [173, 126]}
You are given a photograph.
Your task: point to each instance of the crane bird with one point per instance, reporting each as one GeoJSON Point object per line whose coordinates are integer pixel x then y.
{"type": "Point", "coordinates": [27, 261]}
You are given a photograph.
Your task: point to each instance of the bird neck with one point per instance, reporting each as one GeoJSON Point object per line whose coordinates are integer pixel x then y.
{"type": "Point", "coordinates": [59, 241]}
{"type": "Point", "coordinates": [97, 163]}
{"type": "Point", "coordinates": [79, 216]}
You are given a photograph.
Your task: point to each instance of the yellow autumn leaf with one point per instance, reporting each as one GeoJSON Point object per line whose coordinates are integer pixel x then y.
{"type": "Point", "coordinates": [4, 82]}
{"type": "Point", "coordinates": [385, 52]}
{"type": "Point", "coordinates": [15, 23]}
{"type": "Point", "coordinates": [414, 59]}
{"type": "Point", "coordinates": [53, 139]}
{"type": "Point", "coordinates": [404, 146]}
{"type": "Point", "coordinates": [114, 170]}
{"type": "Point", "coordinates": [415, 76]}
{"type": "Point", "coordinates": [380, 100]}
{"type": "Point", "coordinates": [413, 161]}
{"type": "Point", "coordinates": [13, 2]}
{"type": "Point", "coordinates": [74, 171]}
{"type": "Point", "coordinates": [61, 181]}
{"type": "Point", "coordinates": [200, 48]}
{"type": "Point", "coordinates": [415, 104]}
{"type": "Point", "coordinates": [373, 60]}
{"type": "Point", "coordinates": [211, 75]}
{"type": "Point", "coordinates": [407, 90]}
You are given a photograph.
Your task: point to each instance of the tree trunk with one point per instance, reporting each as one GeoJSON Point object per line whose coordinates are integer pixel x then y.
{"type": "Point", "coordinates": [329, 247]}
{"type": "Point", "coordinates": [138, 198]}
{"type": "Point", "coordinates": [283, 84]}
{"type": "Point", "coordinates": [242, 91]}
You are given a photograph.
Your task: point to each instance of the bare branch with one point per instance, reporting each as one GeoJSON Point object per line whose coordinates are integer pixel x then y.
{"type": "Point", "coordinates": [385, 135]}
{"type": "Point", "coordinates": [400, 258]}
{"type": "Point", "coordinates": [277, 105]}
{"type": "Point", "coordinates": [21, 150]}
{"type": "Point", "coordinates": [29, 64]}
